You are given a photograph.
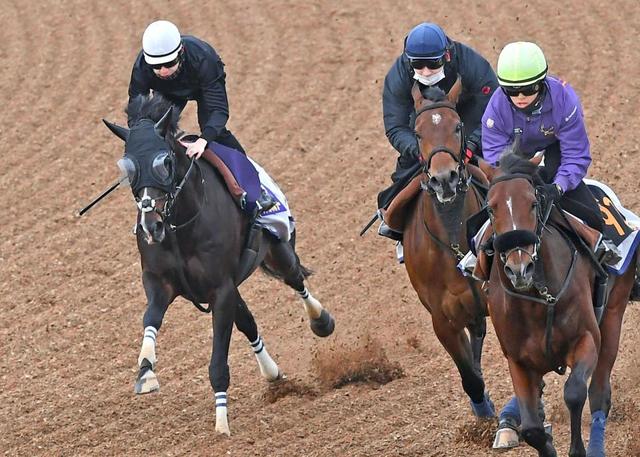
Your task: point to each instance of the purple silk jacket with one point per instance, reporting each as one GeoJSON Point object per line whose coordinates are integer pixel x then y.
{"type": "Point", "coordinates": [559, 119]}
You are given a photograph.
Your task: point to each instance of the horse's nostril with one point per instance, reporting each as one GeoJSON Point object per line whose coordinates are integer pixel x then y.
{"type": "Point", "coordinates": [528, 271]}
{"type": "Point", "coordinates": [433, 182]}
{"type": "Point", "coordinates": [453, 176]}
{"type": "Point", "coordinates": [508, 271]}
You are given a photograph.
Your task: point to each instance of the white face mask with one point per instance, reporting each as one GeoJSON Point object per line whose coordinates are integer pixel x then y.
{"type": "Point", "coordinates": [431, 79]}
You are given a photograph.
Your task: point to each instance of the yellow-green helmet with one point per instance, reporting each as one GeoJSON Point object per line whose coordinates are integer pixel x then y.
{"type": "Point", "coordinates": [520, 64]}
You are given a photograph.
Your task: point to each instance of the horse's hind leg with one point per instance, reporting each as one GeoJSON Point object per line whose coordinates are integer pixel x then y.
{"type": "Point", "coordinates": [159, 295]}
{"type": "Point", "coordinates": [247, 325]}
{"type": "Point", "coordinates": [600, 387]}
{"type": "Point", "coordinates": [285, 264]}
{"type": "Point", "coordinates": [585, 356]}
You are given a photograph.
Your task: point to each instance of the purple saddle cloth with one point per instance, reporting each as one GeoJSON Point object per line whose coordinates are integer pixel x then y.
{"type": "Point", "coordinates": [242, 169]}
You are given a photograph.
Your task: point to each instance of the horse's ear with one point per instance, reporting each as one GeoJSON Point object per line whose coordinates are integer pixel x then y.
{"type": "Point", "coordinates": [455, 91]}
{"type": "Point", "coordinates": [162, 126]}
{"type": "Point", "coordinates": [416, 93]}
{"type": "Point", "coordinates": [486, 168]}
{"type": "Point", "coordinates": [120, 132]}
{"type": "Point", "coordinates": [536, 159]}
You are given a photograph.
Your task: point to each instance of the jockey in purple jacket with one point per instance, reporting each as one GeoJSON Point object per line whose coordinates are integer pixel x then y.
{"type": "Point", "coordinates": [546, 114]}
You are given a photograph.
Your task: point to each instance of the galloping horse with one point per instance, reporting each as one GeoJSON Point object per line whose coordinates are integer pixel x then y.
{"type": "Point", "coordinates": [190, 236]}
{"type": "Point", "coordinates": [541, 306]}
{"type": "Point", "coordinates": [435, 240]}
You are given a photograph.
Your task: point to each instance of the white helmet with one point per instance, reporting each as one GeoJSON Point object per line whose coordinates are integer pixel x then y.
{"type": "Point", "coordinates": [161, 42]}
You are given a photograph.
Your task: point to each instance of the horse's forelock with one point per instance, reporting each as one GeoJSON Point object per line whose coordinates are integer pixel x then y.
{"type": "Point", "coordinates": [151, 107]}
{"type": "Point", "coordinates": [434, 93]}
{"type": "Point", "coordinates": [513, 163]}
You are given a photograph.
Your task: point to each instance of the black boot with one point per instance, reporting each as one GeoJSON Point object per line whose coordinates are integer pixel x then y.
{"type": "Point", "coordinates": [387, 231]}
{"type": "Point", "coordinates": [635, 290]}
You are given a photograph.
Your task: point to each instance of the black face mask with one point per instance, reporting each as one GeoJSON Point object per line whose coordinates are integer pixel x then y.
{"type": "Point", "coordinates": [148, 160]}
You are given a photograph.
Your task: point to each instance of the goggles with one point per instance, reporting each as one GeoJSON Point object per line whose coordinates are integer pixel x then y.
{"type": "Point", "coordinates": [171, 64]}
{"type": "Point", "coordinates": [514, 91]}
{"type": "Point", "coordinates": [431, 64]}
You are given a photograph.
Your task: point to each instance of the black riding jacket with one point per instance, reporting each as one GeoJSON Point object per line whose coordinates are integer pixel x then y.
{"type": "Point", "coordinates": [478, 84]}
{"type": "Point", "coordinates": [201, 77]}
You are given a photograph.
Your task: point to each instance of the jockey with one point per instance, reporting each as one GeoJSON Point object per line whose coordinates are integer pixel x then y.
{"type": "Point", "coordinates": [432, 59]}
{"type": "Point", "coordinates": [183, 68]}
{"type": "Point", "coordinates": [546, 114]}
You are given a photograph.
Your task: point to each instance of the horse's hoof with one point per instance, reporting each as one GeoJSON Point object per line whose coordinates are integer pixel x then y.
{"type": "Point", "coordinates": [323, 325]}
{"type": "Point", "coordinates": [506, 438]}
{"type": "Point", "coordinates": [146, 383]}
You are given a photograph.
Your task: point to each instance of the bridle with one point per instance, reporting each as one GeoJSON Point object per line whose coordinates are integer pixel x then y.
{"type": "Point", "coordinates": [463, 184]}
{"type": "Point", "coordinates": [512, 241]}
{"type": "Point", "coordinates": [147, 204]}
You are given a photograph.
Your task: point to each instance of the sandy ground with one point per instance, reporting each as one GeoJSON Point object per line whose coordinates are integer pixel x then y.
{"type": "Point", "coordinates": [304, 82]}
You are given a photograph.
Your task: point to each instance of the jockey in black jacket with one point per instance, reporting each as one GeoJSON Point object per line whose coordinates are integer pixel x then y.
{"type": "Point", "coordinates": [183, 68]}
{"type": "Point", "coordinates": [432, 59]}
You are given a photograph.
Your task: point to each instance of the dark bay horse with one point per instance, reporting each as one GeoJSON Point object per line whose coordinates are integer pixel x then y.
{"type": "Point", "coordinates": [435, 240]}
{"type": "Point", "coordinates": [541, 306]}
{"type": "Point", "coordinates": [190, 236]}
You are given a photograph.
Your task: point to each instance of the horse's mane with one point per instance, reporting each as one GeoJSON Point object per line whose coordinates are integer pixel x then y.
{"type": "Point", "coordinates": [511, 162]}
{"type": "Point", "coordinates": [434, 93]}
{"type": "Point", "coordinates": [151, 107]}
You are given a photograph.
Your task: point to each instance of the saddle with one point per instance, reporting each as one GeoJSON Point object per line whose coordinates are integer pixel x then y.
{"type": "Point", "coordinates": [395, 215]}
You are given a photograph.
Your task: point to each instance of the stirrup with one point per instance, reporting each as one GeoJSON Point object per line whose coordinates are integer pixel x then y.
{"type": "Point", "coordinates": [265, 202]}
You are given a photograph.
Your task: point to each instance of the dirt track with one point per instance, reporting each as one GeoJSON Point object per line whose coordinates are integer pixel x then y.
{"type": "Point", "coordinates": [304, 82]}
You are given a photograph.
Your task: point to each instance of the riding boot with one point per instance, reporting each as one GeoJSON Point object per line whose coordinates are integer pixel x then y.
{"type": "Point", "coordinates": [385, 230]}
{"type": "Point", "coordinates": [635, 290]}
{"type": "Point", "coordinates": [600, 296]}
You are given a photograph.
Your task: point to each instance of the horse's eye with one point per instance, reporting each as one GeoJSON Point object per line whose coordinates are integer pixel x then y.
{"type": "Point", "coordinates": [418, 137]}
{"type": "Point", "coordinates": [458, 128]}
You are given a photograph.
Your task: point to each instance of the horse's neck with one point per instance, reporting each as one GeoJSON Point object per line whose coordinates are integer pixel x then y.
{"type": "Point", "coordinates": [447, 221]}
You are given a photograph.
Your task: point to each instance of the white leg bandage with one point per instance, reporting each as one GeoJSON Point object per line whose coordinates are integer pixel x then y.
{"type": "Point", "coordinates": [222, 422]}
{"type": "Point", "coordinates": [148, 350]}
{"type": "Point", "coordinates": [268, 368]}
{"type": "Point", "coordinates": [311, 305]}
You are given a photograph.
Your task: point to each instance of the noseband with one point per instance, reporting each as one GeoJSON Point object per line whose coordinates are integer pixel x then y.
{"type": "Point", "coordinates": [463, 184]}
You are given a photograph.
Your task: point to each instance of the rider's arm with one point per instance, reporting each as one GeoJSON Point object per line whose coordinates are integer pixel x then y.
{"type": "Point", "coordinates": [497, 129]}
{"type": "Point", "coordinates": [479, 83]}
{"type": "Point", "coordinates": [397, 110]}
{"type": "Point", "coordinates": [140, 83]}
{"type": "Point", "coordinates": [214, 97]}
{"type": "Point", "coordinates": [574, 143]}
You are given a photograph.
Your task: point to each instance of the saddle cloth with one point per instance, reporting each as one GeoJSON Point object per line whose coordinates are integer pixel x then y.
{"type": "Point", "coordinates": [253, 179]}
{"type": "Point", "coordinates": [620, 225]}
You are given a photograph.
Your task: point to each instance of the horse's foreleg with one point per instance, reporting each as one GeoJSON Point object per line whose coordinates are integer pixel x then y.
{"type": "Point", "coordinates": [457, 345]}
{"type": "Point", "coordinates": [159, 295]}
{"type": "Point", "coordinates": [247, 325]}
{"type": "Point", "coordinates": [600, 387]}
{"type": "Point", "coordinates": [526, 384]}
{"type": "Point", "coordinates": [224, 310]}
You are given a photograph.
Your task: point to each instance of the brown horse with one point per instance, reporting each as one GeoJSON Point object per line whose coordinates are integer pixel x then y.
{"type": "Point", "coordinates": [435, 240]}
{"type": "Point", "coordinates": [541, 306]}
